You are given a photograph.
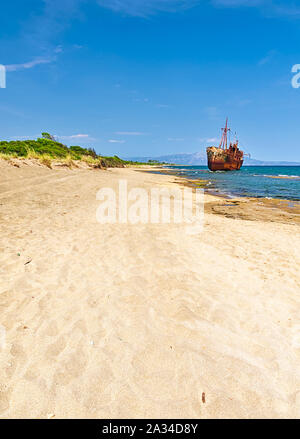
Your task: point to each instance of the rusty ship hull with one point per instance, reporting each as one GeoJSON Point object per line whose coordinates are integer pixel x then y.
{"type": "Point", "coordinates": [228, 163]}
{"type": "Point", "coordinates": [225, 158]}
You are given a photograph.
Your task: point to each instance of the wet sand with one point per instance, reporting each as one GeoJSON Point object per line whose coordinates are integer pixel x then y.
{"type": "Point", "coordinates": [247, 208]}
{"type": "Point", "coordinates": [139, 321]}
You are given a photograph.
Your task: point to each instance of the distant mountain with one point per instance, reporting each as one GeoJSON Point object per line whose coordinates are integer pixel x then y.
{"type": "Point", "coordinates": [253, 162]}
{"type": "Point", "coordinates": [196, 158]}
{"type": "Point", "coordinates": [200, 159]}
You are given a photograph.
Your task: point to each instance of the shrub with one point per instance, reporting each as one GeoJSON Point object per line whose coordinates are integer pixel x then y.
{"type": "Point", "coordinates": [47, 148]}
{"type": "Point", "coordinates": [15, 147]}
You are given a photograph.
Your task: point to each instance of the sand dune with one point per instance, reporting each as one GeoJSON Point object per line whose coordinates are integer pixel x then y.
{"type": "Point", "coordinates": [136, 321]}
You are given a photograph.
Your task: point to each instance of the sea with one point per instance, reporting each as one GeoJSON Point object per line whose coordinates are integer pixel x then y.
{"type": "Point", "coordinates": [281, 182]}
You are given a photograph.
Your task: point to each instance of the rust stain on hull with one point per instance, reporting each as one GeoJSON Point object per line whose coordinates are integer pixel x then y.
{"type": "Point", "coordinates": [222, 165]}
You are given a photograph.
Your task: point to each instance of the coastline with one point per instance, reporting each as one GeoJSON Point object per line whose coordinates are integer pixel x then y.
{"type": "Point", "coordinates": [120, 320]}
{"type": "Point", "coordinates": [239, 185]}
{"type": "Point", "coordinates": [248, 208]}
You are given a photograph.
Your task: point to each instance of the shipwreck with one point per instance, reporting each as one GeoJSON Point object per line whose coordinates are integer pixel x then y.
{"type": "Point", "coordinates": [225, 158]}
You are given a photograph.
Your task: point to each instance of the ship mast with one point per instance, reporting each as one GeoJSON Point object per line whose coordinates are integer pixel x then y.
{"type": "Point", "coordinates": [223, 143]}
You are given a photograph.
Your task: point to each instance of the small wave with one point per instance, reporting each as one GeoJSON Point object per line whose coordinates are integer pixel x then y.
{"type": "Point", "coordinates": [284, 177]}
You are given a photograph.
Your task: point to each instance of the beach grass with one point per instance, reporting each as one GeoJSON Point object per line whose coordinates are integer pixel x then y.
{"type": "Point", "coordinates": [48, 151]}
{"type": "Point", "coordinates": [7, 156]}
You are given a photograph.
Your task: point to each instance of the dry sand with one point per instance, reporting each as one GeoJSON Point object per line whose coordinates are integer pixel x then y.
{"type": "Point", "coordinates": [124, 321]}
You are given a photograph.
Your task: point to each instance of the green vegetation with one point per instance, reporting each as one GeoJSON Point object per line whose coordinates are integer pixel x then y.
{"type": "Point", "coordinates": [79, 151]}
{"type": "Point", "coordinates": [48, 136]}
{"type": "Point", "coordinates": [46, 149]}
{"type": "Point", "coordinates": [156, 162]}
{"type": "Point", "coordinates": [22, 148]}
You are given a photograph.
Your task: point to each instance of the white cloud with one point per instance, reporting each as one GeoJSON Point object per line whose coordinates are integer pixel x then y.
{"type": "Point", "coordinates": [42, 30]}
{"type": "Point", "coordinates": [144, 8]}
{"type": "Point", "coordinates": [244, 102]}
{"type": "Point", "coordinates": [80, 137]}
{"type": "Point", "coordinates": [269, 7]}
{"type": "Point", "coordinates": [75, 136]}
{"type": "Point", "coordinates": [212, 112]}
{"type": "Point", "coordinates": [209, 140]}
{"type": "Point", "coordinates": [235, 3]}
{"type": "Point", "coordinates": [23, 137]}
{"type": "Point", "coordinates": [130, 133]}
{"type": "Point", "coordinates": [116, 141]}
{"type": "Point", "coordinates": [140, 100]}
{"type": "Point", "coordinates": [58, 49]}
{"type": "Point", "coordinates": [28, 65]}
{"type": "Point", "coordinates": [268, 58]}
{"type": "Point", "coordinates": [287, 10]}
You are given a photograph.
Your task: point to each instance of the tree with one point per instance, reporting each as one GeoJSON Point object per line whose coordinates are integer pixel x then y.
{"type": "Point", "coordinates": [48, 137]}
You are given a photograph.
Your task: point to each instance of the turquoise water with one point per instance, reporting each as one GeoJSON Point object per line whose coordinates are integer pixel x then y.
{"type": "Point", "coordinates": [250, 181]}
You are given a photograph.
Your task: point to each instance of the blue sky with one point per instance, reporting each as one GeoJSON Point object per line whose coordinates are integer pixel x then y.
{"type": "Point", "coordinates": [152, 77]}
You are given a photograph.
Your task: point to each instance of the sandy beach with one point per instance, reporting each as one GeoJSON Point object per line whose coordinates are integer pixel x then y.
{"type": "Point", "coordinates": [139, 321]}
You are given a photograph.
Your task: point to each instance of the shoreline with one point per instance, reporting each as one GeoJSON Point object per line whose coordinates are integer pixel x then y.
{"type": "Point", "coordinates": [229, 195]}
{"type": "Point", "coordinates": [249, 208]}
